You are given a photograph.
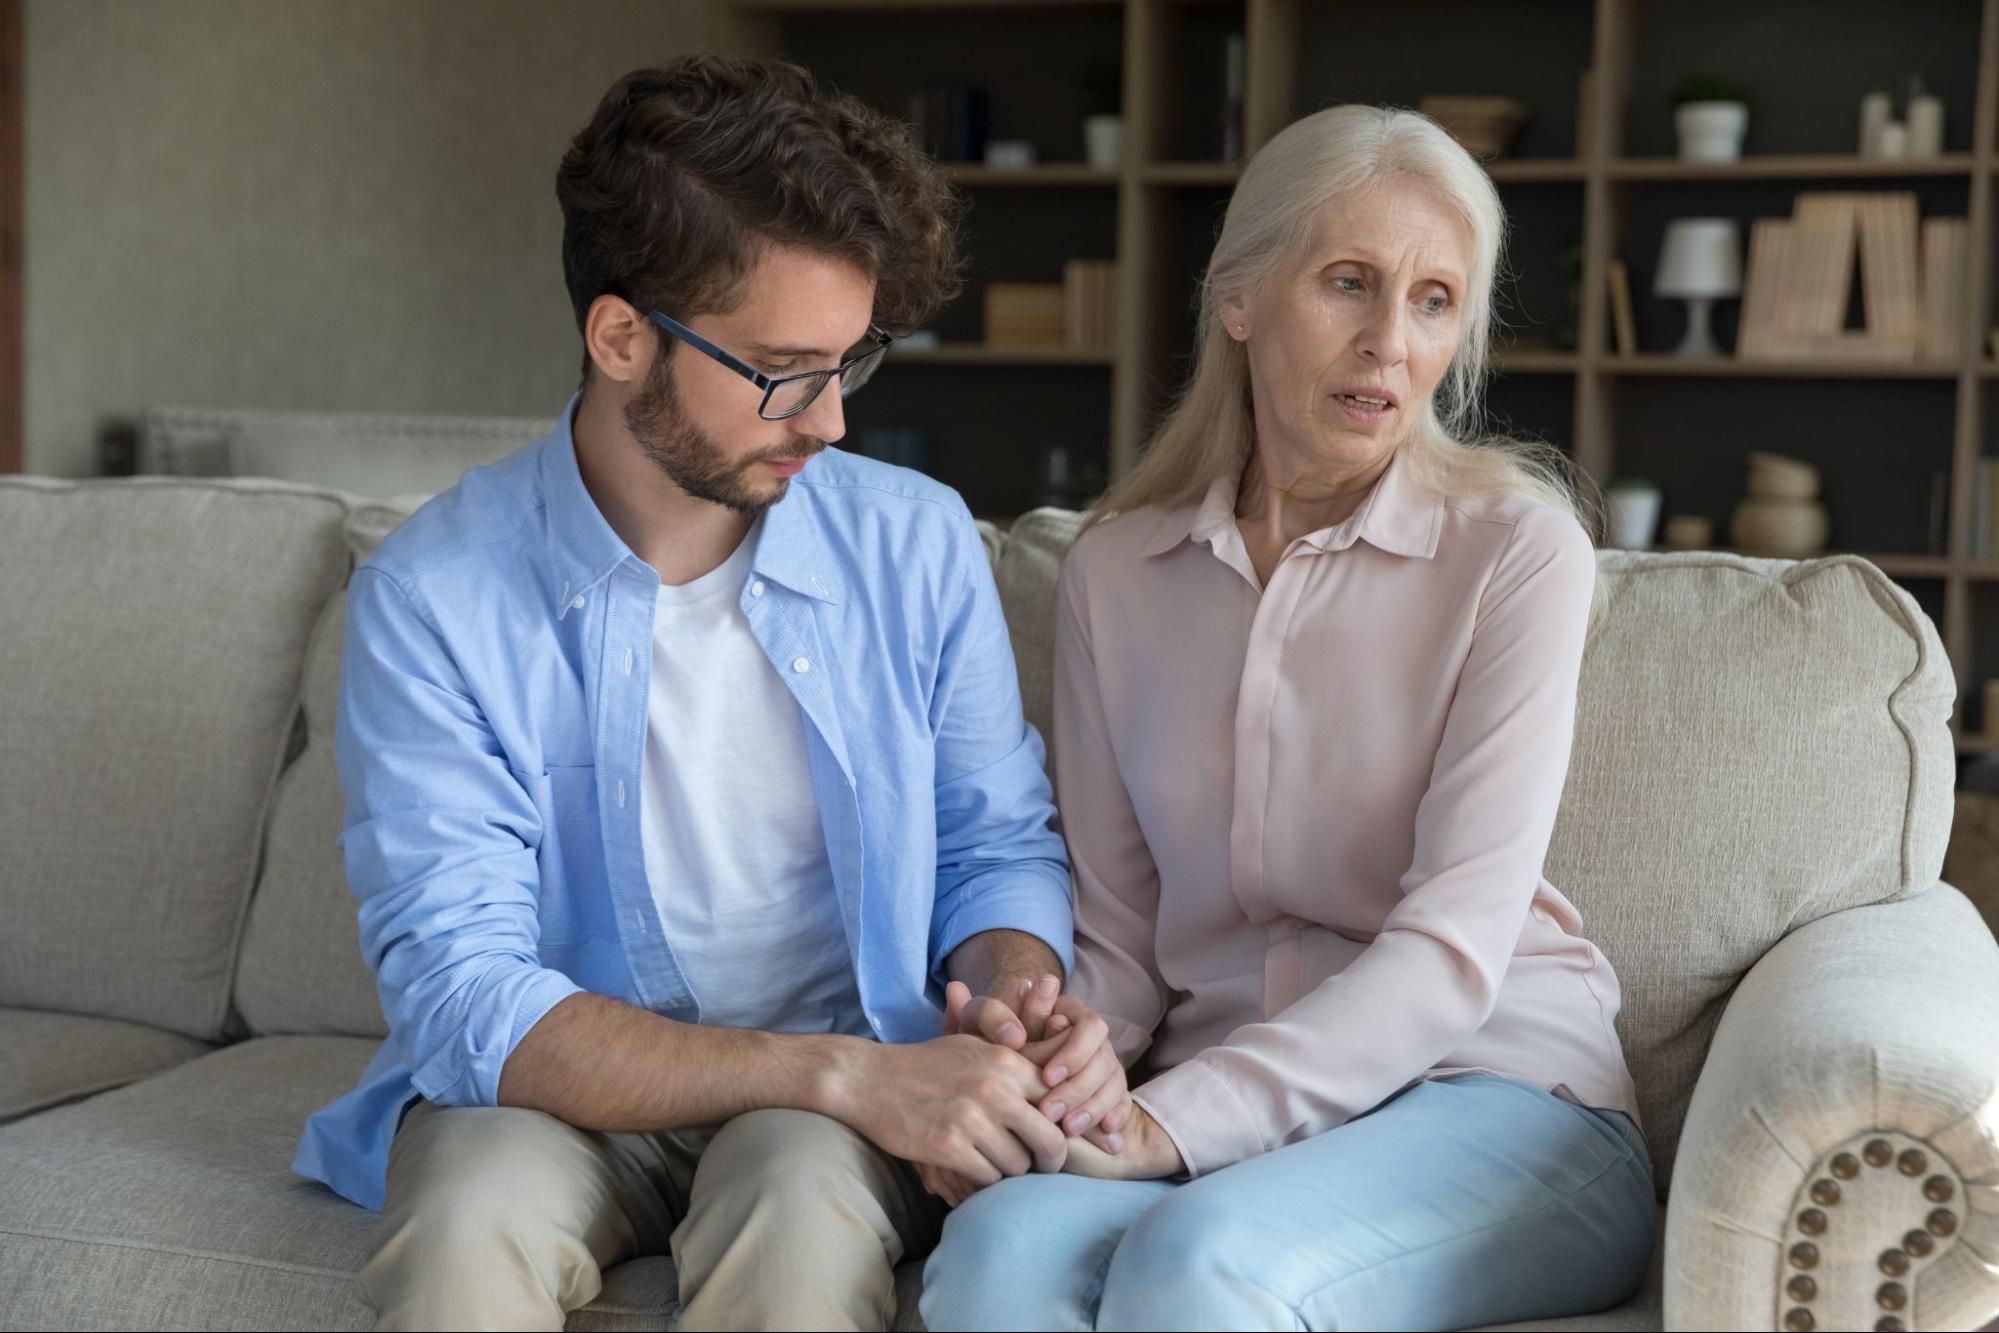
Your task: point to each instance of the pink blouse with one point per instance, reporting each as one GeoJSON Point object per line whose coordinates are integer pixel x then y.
{"type": "Point", "coordinates": [1307, 821]}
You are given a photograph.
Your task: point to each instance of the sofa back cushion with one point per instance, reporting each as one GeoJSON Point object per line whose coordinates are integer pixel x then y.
{"type": "Point", "coordinates": [148, 679]}
{"type": "Point", "coordinates": [1759, 743]}
{"type": "Point", "coordinates": [301, 972]}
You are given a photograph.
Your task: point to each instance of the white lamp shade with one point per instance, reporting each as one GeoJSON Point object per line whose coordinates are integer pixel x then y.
{"type": "Point", "coordinates": [1702, 257]}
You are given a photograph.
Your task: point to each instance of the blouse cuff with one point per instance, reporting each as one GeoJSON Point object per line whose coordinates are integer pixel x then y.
{"type": "Point", "coordinates": [1207, 1119]}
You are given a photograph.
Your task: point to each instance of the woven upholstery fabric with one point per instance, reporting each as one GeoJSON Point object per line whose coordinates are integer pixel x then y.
{"type": "Point", "coordinates": [1759, 743]}
{"type": "Point", "coordinates": [48, 1059]}
{"type": "Point", "coordinates": [149, 691]}
{"type": "Point", "coordinates": [301, 972]}
{"type": "Point", "coordinates": [170, 1204]}
{"type": "Point", "coordinates": [1881, 1018]}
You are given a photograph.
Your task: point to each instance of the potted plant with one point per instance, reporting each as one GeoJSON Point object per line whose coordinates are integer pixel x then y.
{"type": "Point", "coordinates": [1711, 117]}
{"type": "Point", "coordinates": [1103, 105]}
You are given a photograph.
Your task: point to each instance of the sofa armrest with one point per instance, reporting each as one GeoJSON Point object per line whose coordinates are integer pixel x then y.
{"type": "Point", "coordinates": [1841, 1151]}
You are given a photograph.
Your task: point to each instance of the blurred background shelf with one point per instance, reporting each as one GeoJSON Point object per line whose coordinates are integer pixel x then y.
{"type": "Point", "coordinates": [1660, 363]}
{"type": "Point", "coordinates": [982, 354]}
{"type": "Point", "coordinates": [1801, 166]}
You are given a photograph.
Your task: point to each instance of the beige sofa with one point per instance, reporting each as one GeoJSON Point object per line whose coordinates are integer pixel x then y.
{"type": "Point", "coordinates": [1753, 827]}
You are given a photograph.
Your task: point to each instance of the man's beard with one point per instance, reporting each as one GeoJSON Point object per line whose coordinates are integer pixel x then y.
{"type": "Point", "coordinates": [692, 460]}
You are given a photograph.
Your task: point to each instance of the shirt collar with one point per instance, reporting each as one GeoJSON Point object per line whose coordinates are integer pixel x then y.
{"type": "Point", "coordinates": [792, 550]}
{"type": "Point", "coordinates": [582, 545]}
{"type": "Point", "coordinates": [1400, 515]}
{"type": "Point", "coordinates": [585, 548]}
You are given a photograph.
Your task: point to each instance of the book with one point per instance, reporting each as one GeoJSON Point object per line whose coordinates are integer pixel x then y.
{"type": "Point", "coordinates": [1089, 303]}
{"type": "Point", "coordinates": [1623, 324]}
{"type": "Point", "coordinates": [1819, 272]}
{"type": "Point", "coordinates": [1946, 246]}
{"type": "Point", "coordinates": [1888, 269]}
{"type": "Point", "coordinates": [1024, 314]}
{"type": "Point", "coordinates": [1759, 337]}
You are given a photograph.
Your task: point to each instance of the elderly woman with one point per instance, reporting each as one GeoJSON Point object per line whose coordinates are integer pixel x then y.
{"type": "Point", "coordinates": [1315, 688]}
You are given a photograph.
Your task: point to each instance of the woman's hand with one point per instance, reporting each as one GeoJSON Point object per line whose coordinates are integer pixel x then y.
{"type": "Point", "coordinates": [1148, 1153]}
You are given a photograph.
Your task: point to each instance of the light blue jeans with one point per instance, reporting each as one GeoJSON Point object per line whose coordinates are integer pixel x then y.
{"type": "Point", "coordinates": [1473, 1200]}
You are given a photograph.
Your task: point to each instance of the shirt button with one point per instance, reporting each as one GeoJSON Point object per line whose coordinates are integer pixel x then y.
{"type": "Point", "coordinates": [757, 588]}
{"type": "Point", "coordinates": [577, 605]}
{"type": "Point", "coordinates": [628, 661]}
{"type": "Point", "coordinates": [801, 666]}
{"type": "Point", "coordinates": [621, 795]}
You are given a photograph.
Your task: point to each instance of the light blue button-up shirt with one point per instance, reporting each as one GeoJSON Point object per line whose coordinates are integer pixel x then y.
{"type": "Point", "coordinates": [492, 731]}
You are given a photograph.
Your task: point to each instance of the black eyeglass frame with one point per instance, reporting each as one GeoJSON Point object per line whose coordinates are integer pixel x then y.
{"type": "Point", "coordinates": [878, 337]}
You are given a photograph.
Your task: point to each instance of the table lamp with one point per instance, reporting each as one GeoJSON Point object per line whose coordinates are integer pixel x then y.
{"type": "Point", "coordinates": [1701, 262]}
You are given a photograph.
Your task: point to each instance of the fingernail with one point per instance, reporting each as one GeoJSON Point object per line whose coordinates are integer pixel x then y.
{"type": "Point", "coordinates": [1055, 1109]}
{"type": "Point", "coordinates": [1079, 1122]}
{"type": "Point", "coordinates": [1011, 1031]}
{"type": "Point", "coordinates": [1048, 985]}
{"type": "Point", "coordinates": [1056, 1075]}
{"type": "Point", "coordinates": [1024, 988]}
{"type": "Point", "coordinates": [1116, 1141]}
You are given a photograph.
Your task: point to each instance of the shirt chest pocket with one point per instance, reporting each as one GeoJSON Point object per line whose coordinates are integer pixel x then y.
{"type": "Point", "coordinates": [571, 794]}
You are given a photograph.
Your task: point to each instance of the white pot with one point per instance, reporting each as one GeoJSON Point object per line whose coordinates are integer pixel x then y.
{"type": "Point", "coordinates": [1634, 514]}
{"type": "Point", "coordinates": [1103, 140]}
{"type": "Point", "coordinates": [1711, 131]}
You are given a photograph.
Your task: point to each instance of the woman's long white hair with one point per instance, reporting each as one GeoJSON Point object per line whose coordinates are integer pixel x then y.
{"type": "Point", "coordinates": [1342, 152]}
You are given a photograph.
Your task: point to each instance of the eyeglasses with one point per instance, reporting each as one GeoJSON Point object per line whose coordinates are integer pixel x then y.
{"type": "Point", "coordinates": [788, 395]}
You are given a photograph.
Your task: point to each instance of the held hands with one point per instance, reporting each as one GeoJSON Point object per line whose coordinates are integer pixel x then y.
{"type": "Point", "coordinates": [1148, 1153]}
{"type": "Point", "coordinates": [1082, 1084]}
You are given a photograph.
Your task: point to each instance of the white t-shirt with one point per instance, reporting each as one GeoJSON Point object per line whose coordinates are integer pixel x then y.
{"type": "Point", "coordinates": [735, 853]}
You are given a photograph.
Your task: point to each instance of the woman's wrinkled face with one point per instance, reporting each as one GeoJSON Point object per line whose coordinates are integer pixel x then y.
{"type": "Point", "coordinates": [1348, 342]}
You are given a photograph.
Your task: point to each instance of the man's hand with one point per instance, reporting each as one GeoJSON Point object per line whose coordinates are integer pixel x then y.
{"type": "Point", "coordinates": [1148, 1154]}
{"type": "Point", "coordinates": [956, 1104]}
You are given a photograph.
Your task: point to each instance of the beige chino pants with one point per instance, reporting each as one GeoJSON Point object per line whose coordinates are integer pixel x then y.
{"type": "Point", "coordinates": [498, 1217]}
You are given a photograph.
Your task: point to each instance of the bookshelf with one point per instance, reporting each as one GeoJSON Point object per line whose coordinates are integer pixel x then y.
{"type": "Point", "coordinates": [1592, 178]}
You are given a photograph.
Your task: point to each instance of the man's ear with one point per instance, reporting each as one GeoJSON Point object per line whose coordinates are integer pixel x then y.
{"type": "Point", "coordinates": [621, 341]}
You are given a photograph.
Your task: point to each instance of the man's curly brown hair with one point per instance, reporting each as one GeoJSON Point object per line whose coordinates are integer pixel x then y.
{"type": "Point", "coordinates": [686, 171]}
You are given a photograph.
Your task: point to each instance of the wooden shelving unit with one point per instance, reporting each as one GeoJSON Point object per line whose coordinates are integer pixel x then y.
{"type": "Point", "coordinates": [1590, 184]}
{"type": "Point", "coordinates": [981, 354]}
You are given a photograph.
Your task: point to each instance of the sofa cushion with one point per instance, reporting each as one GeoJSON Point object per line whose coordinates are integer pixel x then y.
{"type": "Point", "coordinates": [1759, 743]}
{"type": "Point", "coordinates": [301, 972]}
{"type": "Point", "coordinates": [1028, 572]}
{"type": "Point", "coordinates": [170, 1204]}
{"type": "Point", "coordinates": [47, 1059]}
{"type": "Point", "coordinates": [144, 720]}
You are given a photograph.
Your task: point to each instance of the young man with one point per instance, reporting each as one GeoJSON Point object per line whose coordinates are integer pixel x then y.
{"type": "Point", "coordinates": [684, 768]}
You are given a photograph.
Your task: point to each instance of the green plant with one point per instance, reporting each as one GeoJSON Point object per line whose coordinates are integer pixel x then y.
{"type": "Point", "coordinates": [1708, 88]}
{"type": "Point", "coordinates": [1102, 86]}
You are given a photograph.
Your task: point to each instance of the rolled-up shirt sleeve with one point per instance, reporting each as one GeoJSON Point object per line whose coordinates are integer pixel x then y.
{"type": "Point", "coordinates": [1431, 976]}
{"type": "Point", "coordinates": [440, 843]}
